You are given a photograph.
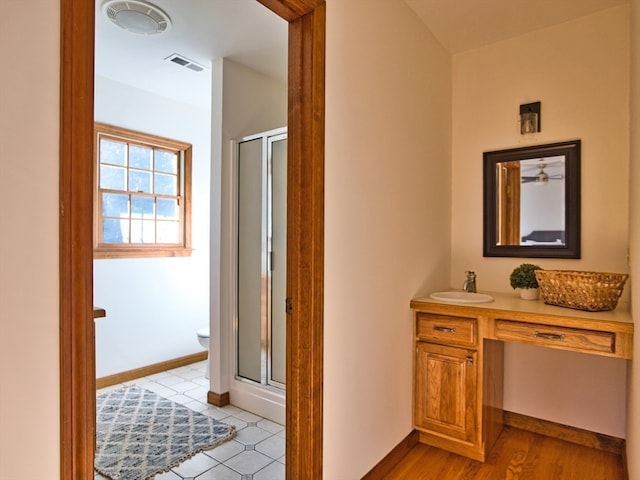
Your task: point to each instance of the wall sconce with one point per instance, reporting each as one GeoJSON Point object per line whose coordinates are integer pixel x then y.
{"type": "Point", "coordinates": [530, 118]}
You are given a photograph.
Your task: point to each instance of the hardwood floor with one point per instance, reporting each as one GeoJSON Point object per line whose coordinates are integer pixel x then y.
{"type": "Point", "coordinates": [517, 455]}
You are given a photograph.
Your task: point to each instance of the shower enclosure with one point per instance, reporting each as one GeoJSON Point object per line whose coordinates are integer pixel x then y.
{"type": "Point", "coordinates": [260, 328]}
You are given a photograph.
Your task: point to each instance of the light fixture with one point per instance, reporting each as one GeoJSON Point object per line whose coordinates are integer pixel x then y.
{"type": "Point", "coordinates": [542, 178]}
{"type": "Point", "coordinates": [530, 118]}
{"type": "Point", "coordinates": [137, 16]}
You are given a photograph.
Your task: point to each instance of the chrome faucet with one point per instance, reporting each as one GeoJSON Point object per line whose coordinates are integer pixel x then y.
{"type": "Point", "coordinates": [469, 284]}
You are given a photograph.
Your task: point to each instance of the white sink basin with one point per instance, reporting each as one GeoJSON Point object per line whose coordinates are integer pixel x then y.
{"type": "Point", "coordinates": [461, 297]}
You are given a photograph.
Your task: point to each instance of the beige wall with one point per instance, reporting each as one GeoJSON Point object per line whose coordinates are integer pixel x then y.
{"type": "Point", "coordinates": [29, 110]}
{"type": "Point", "coordinates": [387, 220]}
{"type": "Point", "coordinates": [633, 411]}
{"type": "Point", "coordinates": [580, 72]}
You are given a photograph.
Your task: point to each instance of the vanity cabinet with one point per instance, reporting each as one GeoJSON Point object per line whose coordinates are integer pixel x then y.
{"type": "Point", "coordinates": [459, 360]}
{"type": "Point", "coordinates": [448, 399]}
{"type": "Point", "coordinates": [445, 392]}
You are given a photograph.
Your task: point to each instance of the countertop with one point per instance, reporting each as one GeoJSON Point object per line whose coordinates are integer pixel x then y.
{"type": "Point", "coordinates": [511, 302]}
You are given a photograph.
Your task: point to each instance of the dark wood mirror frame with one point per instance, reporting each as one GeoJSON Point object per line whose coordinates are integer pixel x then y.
{"type": "Point", "coordinates": [570, 150]}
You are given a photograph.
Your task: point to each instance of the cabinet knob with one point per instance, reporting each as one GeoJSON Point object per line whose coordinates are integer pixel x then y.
{"type": "Point", "coordinates": [470, 360]}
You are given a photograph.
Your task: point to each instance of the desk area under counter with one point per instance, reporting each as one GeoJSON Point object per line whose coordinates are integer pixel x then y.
{"type": "Point", "coordinates": [459, 360]}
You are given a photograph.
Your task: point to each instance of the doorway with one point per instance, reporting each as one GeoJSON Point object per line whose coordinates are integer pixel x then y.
{"type": "Point", "coordinates": [305, 259]}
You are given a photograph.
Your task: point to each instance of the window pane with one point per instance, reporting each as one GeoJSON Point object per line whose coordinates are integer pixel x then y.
{"type": "Point", "coordinates": [139, 181]}
{"type": "Point", "coordinates": [168, 232]}
{"type": "Point", "coordinates": [142, 207]}
{"type": "Point", "coordinates": [115, 230]}
{"type": "Point", "coordinates": [166, 162]}
{"type": "Point", "coordinates": [112, 178]}
{"type": "Point", "coordinates": [112, 152]}
{"type": "Point", "coordinates": [140, 157]}
{"type": "Point", "coordinates": [166, 184]}
{"type": "Point", "coordinates": [140, 195]}
{"type": "Point", "coordinates": [143, 231]}
{"type": "Point", "coordinates": [115, 205]}
{"type": "Point", "coordinates": [167, 208]}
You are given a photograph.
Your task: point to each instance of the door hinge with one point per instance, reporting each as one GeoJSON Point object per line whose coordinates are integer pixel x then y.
{"type": "Point", "coordinates": [288, 306]}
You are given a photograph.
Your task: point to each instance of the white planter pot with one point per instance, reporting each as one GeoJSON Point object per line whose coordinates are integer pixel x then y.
{"type": "Point", "coordinates": [529, 293]}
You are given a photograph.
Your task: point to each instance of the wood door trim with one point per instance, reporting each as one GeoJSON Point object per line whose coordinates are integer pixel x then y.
{"type": "Point", "coordinates": [77, 360]}
{"type": "Point", "coordinates": [307, 19]}
{"type": "Point", "coordinates": [305, 246]}
{"type": "Point", "coordinates": [291, 10]}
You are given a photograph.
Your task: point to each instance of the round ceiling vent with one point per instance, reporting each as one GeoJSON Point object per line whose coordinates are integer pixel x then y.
{"type": "Point", "coordinates": [137, 16]}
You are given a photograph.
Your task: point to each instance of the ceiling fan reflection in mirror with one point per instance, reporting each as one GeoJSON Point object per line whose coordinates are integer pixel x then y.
{"type": "Point", "coordinates": [542, 177]}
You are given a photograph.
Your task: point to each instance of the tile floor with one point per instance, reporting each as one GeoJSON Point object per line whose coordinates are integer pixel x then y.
{"type": "Point", "coordinates": [255, 453]}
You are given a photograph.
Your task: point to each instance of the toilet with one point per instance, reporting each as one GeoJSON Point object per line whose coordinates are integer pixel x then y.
{"type": "Point", "coordinates": [203, 338]}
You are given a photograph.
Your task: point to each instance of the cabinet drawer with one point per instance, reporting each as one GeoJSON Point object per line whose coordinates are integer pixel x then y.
{"type": "Point", "coordinates": [555, 337]}
{"type": "Point", "coordinates": [446, 329]}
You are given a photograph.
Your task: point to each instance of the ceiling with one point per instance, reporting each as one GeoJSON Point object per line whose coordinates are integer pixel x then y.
{"type": "Point", "coordinates": [202, 31]}
{"type": "Point", "coordinates": [462, 25]}
{"type": "Point", "coordinates": [248, 33]}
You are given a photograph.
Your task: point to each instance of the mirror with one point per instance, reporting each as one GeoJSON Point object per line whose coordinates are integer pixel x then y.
{"type": "Point", "coordinates": [532, 201]}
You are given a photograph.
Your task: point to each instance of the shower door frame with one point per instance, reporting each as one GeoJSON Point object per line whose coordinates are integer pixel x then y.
{"type": "Point", "coordinates": [266, 378]}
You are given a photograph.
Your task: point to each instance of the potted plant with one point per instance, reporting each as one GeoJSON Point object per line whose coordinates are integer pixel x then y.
{"type": "Point", "coordinates": [523, 279]}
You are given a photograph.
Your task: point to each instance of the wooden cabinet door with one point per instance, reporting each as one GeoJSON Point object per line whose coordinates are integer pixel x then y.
{"type": "Point", "coordinates": [445, 391]}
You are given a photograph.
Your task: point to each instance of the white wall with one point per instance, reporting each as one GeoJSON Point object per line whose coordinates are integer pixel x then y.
{"type": "Point", "coordinates": [154, 305]}
{"type": "Point", "coordinates": [387, 220]}
{"type": "Point", "coordinates": [29, 122]}
{"type": "Point", "coordinates": [580, 72]}
{"type": "Point", "coordinates": [244, 102]}
{"type": "Point", "coordinates": [542, 208]}
{"type": "Point", "coordinates": [633, 400]}
{"type": "Point", "coordinates": [144, 325]}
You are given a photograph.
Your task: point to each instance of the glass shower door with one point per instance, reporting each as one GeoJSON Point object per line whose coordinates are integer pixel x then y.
{"type": "Point", "coordinates": [261, 319]}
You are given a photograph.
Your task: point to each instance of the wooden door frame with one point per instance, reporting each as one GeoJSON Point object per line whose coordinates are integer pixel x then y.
{"type": "Point", "coordinates": [305, 237]}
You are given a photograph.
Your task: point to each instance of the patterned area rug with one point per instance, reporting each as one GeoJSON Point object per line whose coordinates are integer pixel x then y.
{"type": "Point", "coordinates": [140, 434]}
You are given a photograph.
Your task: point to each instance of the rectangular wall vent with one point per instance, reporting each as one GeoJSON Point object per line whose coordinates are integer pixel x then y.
{"type": "Point", "coordinates": [185, 62]}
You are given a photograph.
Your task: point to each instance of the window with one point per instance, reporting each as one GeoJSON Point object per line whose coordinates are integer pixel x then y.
{"type": "Point", "coordinates": [143, 195]}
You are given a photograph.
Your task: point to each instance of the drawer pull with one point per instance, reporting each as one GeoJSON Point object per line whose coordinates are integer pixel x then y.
{"type": "Point", "coordinates": [549, 336]}
{"type": "Point", "coordinates": [438, 328]}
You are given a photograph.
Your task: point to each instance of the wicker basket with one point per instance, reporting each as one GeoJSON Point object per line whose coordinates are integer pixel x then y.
{"type": "Point", "coordinates": [592, 291]}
